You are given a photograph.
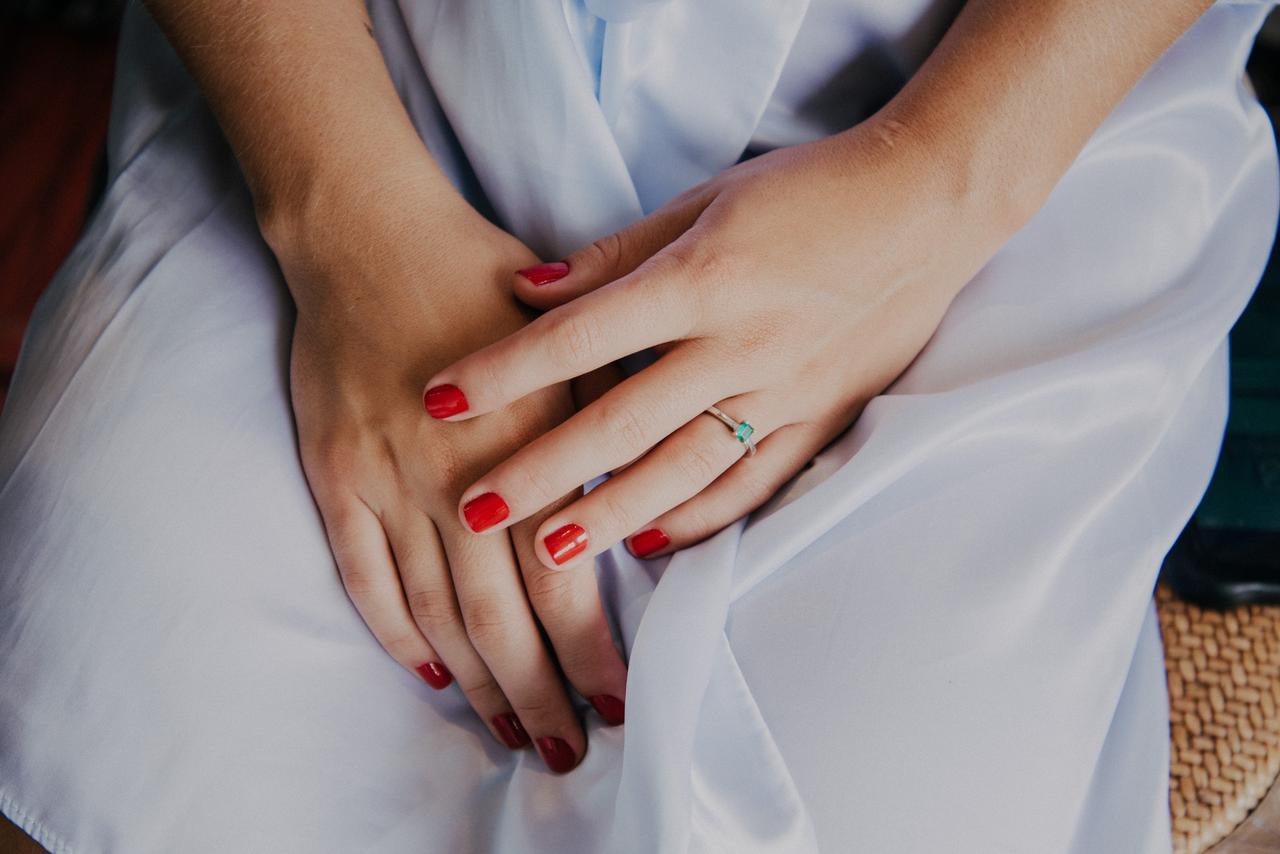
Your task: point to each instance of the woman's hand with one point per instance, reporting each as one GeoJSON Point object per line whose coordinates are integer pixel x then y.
{"type": "Point", "coordinates": [403, 280]}
{"type": "Point", "coordinates": [787, 291]}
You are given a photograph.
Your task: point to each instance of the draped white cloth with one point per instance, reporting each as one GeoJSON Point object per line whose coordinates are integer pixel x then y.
{"type": "Point", "coordinates": [938, 638]}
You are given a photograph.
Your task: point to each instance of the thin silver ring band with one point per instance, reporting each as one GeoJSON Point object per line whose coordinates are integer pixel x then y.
{"type": "Point", "coordinates": [741, 430]}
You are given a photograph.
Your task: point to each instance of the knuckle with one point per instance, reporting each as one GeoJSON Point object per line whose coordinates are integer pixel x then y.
{"type": "Point", "coordinates": [358, 584]}
{"type": "Point", "coordinates": [604, 255]}
{"type": "Point", "coordinates": [704, 265]}
{"type": "Point", "coordinates": [531, 483]}
{"type": "Point", "coordinates": [614, 513]}
{"type": "Point", "coordinates": [575, 335]}
{"type": "Point", "coordinates": [581, 664]}
{"type": "Point", "coordinates": [481, 687]}
{"type": "Point", "coordinates": [624, 425]}
{"type": "Point", "coordinates": [697, 463]}
{"type": "Point", "coordinates": [551, 591]}
{"type": "Point", "coordinates": [488, 624]}
{"type": "Point", "coordinates": [534, 705]}
{"type": "Point", "coordinates": [432, 609]}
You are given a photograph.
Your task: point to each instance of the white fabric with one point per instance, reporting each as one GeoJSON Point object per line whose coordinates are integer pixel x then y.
{"type": "Point", "coordinates": [939, 638]}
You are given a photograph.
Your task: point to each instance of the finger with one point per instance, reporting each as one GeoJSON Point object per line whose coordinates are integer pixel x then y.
{"type": "Point", "coordinates": [611, 257]}
{"type": "Point", "coordinates": [502, 629]}
{"type": "Point", "coordinates": [738, 492]}
{"type": "Point", "coordinates": [641, 310]}
{"type": "Point", "coordinates": [568, 606]}
{"type": "Point", "coordinates": [368, 570]}
{"type": "Point", "coordinates": [624, 423]}
{"type": "Point", "coordinates": [677, 469]}
{"type": "Point", "coordinates": [432, 602]}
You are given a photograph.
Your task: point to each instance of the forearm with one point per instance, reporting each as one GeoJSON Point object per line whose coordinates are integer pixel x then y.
{"type": "Point", "coordinates": [1014, 91]}
{"type": "Point", "coordinates": [306, 102]}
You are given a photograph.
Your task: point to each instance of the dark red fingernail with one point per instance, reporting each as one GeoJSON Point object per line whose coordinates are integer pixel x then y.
{"type": "Point", "coordinates": [565, 543]}
{"type": "Point", "coordinates": [444, 400]}
{"type": "Point", "coordinates": [613, 710]}
{"type": "Point", "coordinates": [545, 274]}
{"type": "Point", "coordinates": [485, 511]}
{"type": "Point", "coordinates": [436, 675]}
{"type": "Point", "coordinates": [557, 753]}
{"type": "Point", "coordinates": [512, 732]}
{"type": "Point", "coordinates": [647, 542]}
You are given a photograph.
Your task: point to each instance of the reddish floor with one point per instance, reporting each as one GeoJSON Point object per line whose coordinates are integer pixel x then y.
{"type": "Point", "coordinates": [55, 92]}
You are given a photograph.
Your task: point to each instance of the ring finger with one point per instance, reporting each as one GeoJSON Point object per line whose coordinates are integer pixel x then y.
{"type": "Point", "coordinates": [681, 466]}
{"type": "Point", "coordinates": [604, 436]}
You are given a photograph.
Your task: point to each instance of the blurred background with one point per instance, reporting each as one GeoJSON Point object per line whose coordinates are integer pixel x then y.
{"type": "Point", "coordinates": [56, 66]}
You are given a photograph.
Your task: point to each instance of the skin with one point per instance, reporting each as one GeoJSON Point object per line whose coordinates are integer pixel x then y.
{"type": "Point", "coordinates": [855, 246]}
{"type": "Point", "coordinates": [394, 276]}
{"type": "Point", "coordinates": [791, 289]}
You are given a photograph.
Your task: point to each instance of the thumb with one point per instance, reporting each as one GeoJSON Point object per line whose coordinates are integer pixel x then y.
{"type": "Point", "coordinates": [610, 258]}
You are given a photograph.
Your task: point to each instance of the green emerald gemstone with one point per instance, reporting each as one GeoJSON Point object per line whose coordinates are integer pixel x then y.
{"type": "Point", "coordinates": [744, 432]}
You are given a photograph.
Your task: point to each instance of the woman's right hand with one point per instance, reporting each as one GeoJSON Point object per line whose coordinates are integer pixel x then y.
{"type": "Point", "coordinates": [391, 284]}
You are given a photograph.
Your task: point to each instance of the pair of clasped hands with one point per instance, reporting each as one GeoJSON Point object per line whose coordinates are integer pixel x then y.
{"type": "Point", "coordinates": [788, 291]}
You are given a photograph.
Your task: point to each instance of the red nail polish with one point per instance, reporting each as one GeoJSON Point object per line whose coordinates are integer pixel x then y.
{"type": "Point", "coordinates": [436, 675]}
{"type": "Point", "coordinates": [557, 753]}
{"type": "Point", "coordinates": [545, 274]}
{"type": "Point", "coordinates": [444, 400]}
{"type": "Point", "coordinates": [512, 732]}
{"type": "Point", "coordinates": [647, 542]}
{"type": "Point", "coordinates": [485, 511]}
{"type": "Point", "coordinates": [565, 543]}
{"type": "Point", "coordinates": [613, 710]}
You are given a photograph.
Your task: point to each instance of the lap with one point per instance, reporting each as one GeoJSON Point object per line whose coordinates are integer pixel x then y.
{"type": "Point", "coordinates": [941, 617]}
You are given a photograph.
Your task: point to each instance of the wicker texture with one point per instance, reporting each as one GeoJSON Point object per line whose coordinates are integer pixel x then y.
{"type": "Point", "coordinates": [1224, 715]}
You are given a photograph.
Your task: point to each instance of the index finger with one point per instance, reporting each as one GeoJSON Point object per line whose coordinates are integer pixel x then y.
{"type": "Point", "coordinates": [629, 315]}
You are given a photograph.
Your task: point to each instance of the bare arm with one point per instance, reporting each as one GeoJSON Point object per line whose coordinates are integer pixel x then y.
{"type": "Point", "coordinates": [393, 275]}
{"type": "Point", "coordinates": [303, 95]}
{"type": "Point", "coordinates": [1015, 89]}
{"type": "Point", "coordinates": [794, 287]}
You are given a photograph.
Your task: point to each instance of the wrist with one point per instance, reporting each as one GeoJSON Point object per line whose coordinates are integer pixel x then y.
{"type": "Point", "coordinates": [311, 211]}
{"type": "Point", "coordinates": [978, 171]}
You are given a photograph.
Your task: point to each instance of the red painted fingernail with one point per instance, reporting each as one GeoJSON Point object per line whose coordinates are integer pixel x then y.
{"type": "Point", "coordinates": [557, 753]}
{"type": "Point", "coordinates": [545, 274]}
{"type": "Point", "coordinates": [485, 511]}
{"type": "Point", "coordinates": [565, 543]}
{"type": "Point", "coordinates": [436, 675]}
{"type": "Point", "coordinates": [512, 732]}
{"type": "Point", "coordinates": [444, 400]}
{"type": "Point", "coordinates": [647, 542]}
{"type": "Point", "coordinates": [613, 710]}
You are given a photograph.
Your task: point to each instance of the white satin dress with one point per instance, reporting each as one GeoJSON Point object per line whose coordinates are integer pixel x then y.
{"type": "Point", "coordinates": [938, 638]}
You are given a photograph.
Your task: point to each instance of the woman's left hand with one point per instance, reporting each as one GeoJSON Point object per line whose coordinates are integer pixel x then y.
{"type": "Point", "coordinates": [787, 291]}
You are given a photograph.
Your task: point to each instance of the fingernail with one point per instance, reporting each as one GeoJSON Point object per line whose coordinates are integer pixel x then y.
{"type": "Point", "coordinates": [444, 400]}
{"type": "Point", "coordinates": [613, 710]}
{"type": "Point", "coordinates": [565, 543]}
{"type": "Point", "coordinates": [647, 542]}
{"type": "Point", "coordinates": [485, 511]}
{"type": "Point", "coordinates": [436, 675]}
{"type": "Point", "coordinates": [545, 274]}
{"type": "Point", "coordinates": [557, 753]}
{"type": "Point", "coordinates": [512, 732]}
